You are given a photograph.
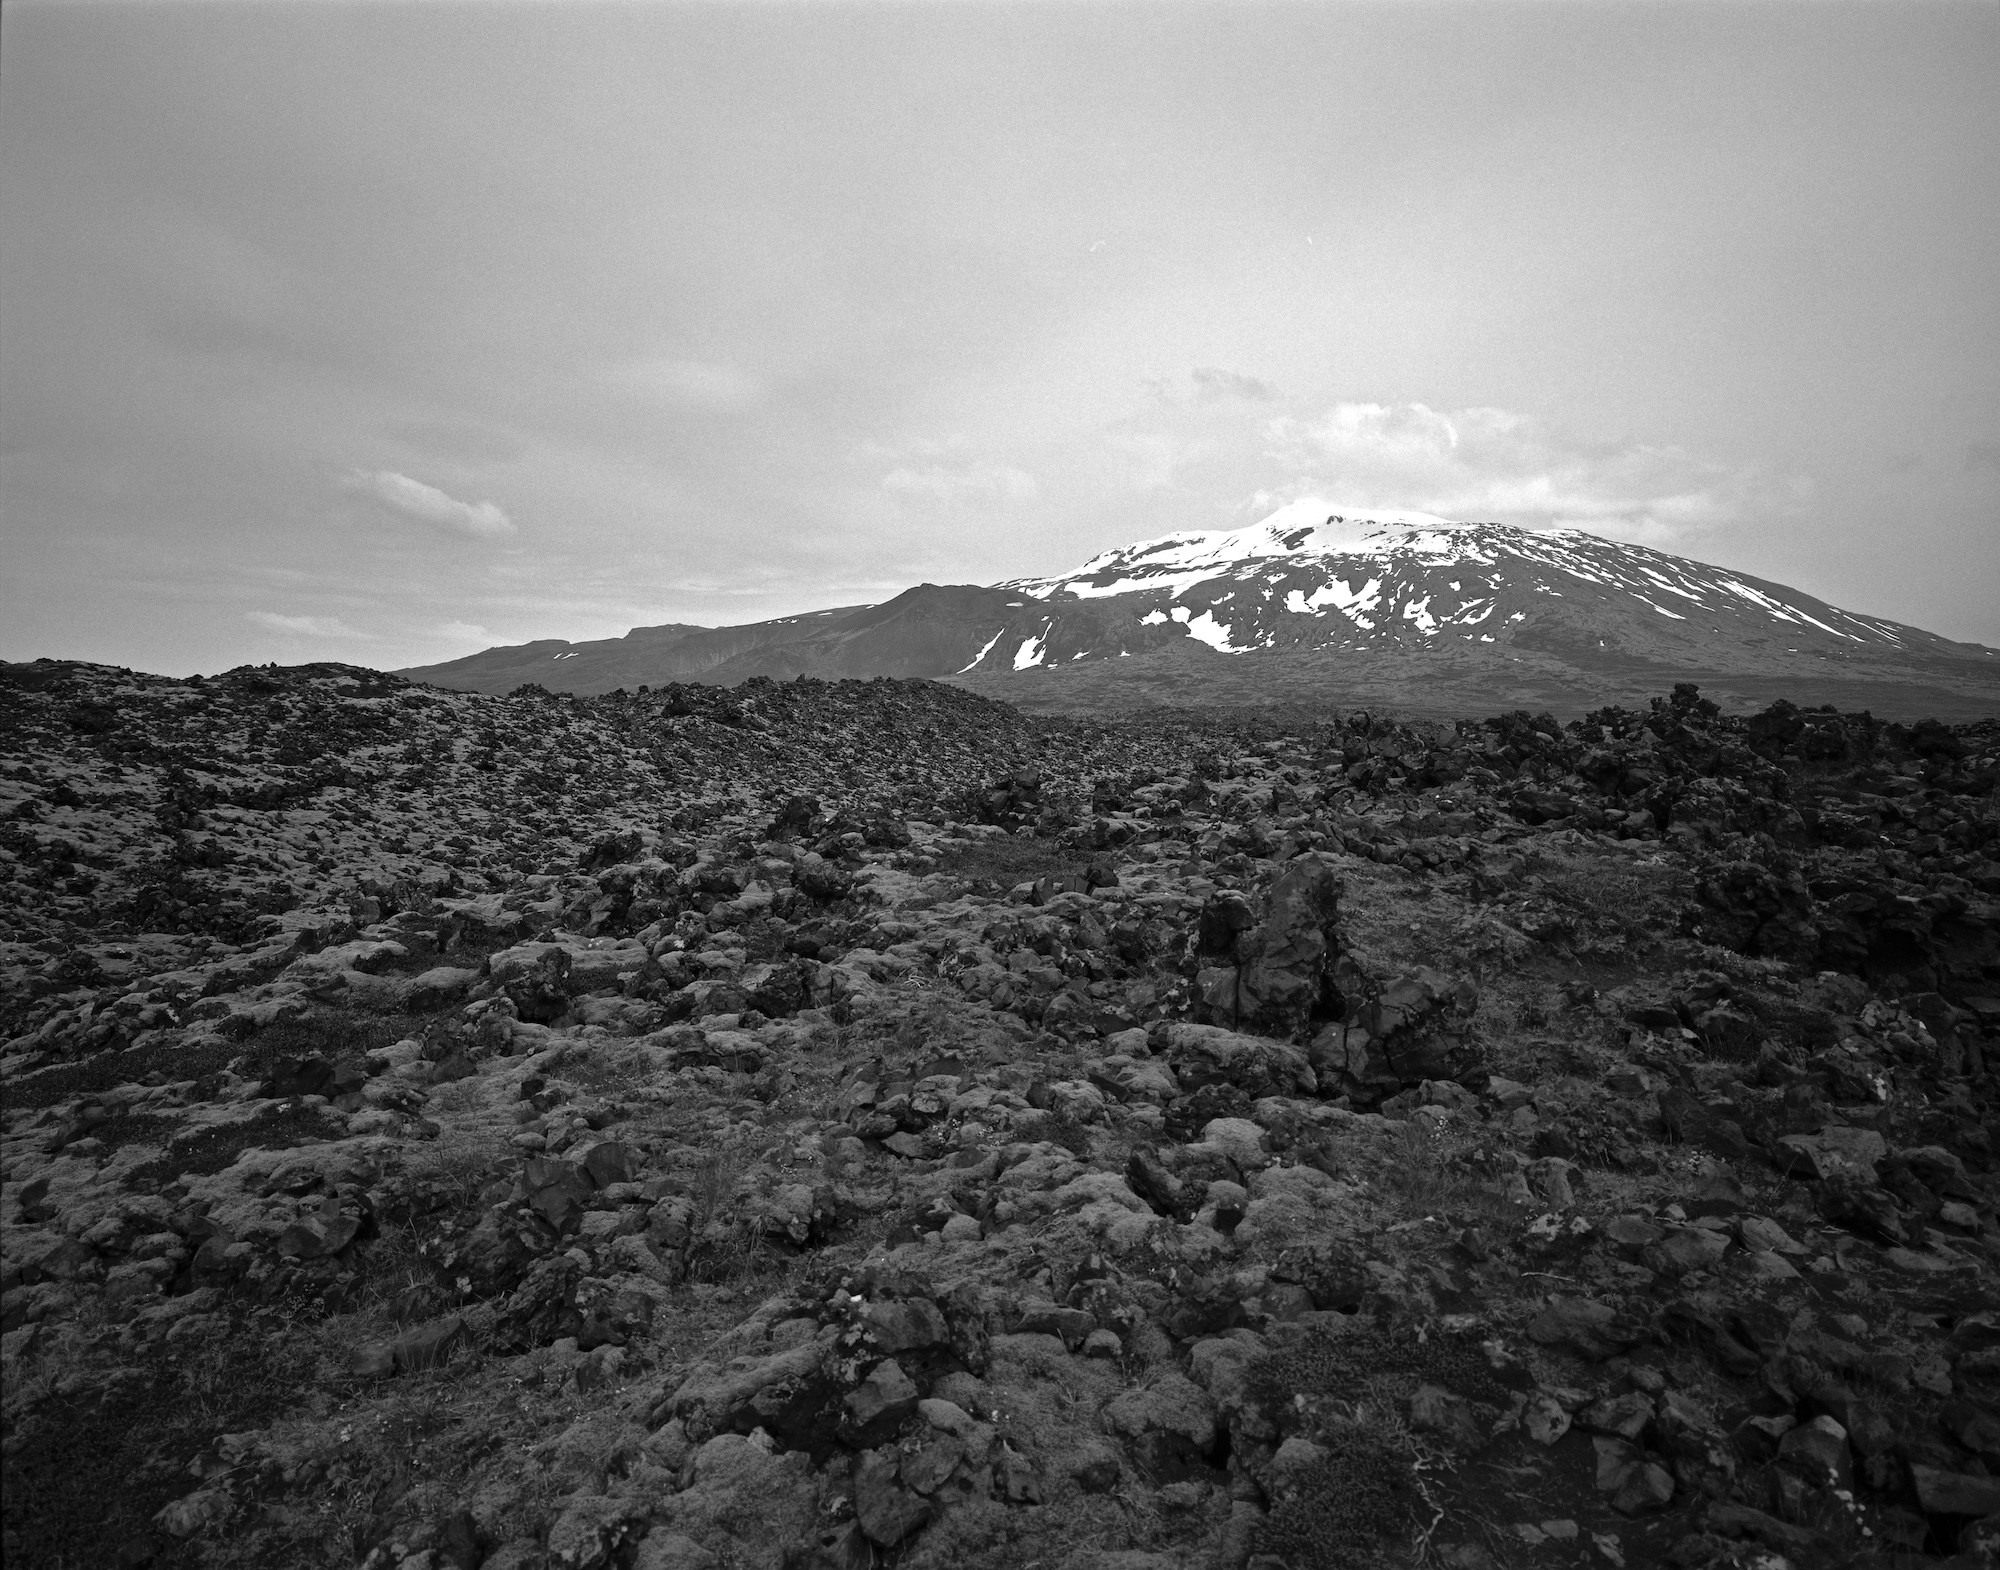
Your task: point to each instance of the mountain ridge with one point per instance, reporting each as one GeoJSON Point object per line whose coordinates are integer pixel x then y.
{"type": "Point", "coordinates": [1314, 604]}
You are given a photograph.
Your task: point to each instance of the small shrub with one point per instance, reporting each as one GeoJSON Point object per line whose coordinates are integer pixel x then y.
{"type": "Point", "coordinates": [1532, 1011]}
{"type": "Point", "coordinates": [396, 1279]}
{"type": "Point", "coordinates": [1187, 1115]}
{"type": "Point", "coordinates": [1064, 1130]}
{"type": "Point", "coordinates": [459, 1168]}
{"type": "Point", "coordinates": [1349, 1509]}
{"type": "Point", "coordinates": [601, 1071]}
{"type": "Point", "coordinates": [1433, 1174]}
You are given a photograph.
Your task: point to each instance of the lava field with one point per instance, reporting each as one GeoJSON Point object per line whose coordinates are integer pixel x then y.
{"type": "Point", "coordinates": [823, 1125]}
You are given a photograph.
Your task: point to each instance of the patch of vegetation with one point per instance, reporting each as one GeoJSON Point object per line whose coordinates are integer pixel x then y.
{"type": "Point", "coordinates": [92, 1457]}
{"type": "Point", "coordinates": [742, 1259]}
{"type": "Point", "coordinates": [328, 1033]}
{"type": "Point", "coordinates": [138, 1128]}
{"type": "Point", "coordinates": [604, 1069]}
{"type": "Point", "coordinates": [1061, 1128]}
{"type": "Point", "coordinates": [211, 1150]}
{"type": "Point", "coordinates": [1342, 1365]}
{"type": "Point", "coordinates": [173, 1059]}
{"type": "Point", "coordinates": [1347, 1511]}
{"type": "Point", "coordinates": [467, 952]}
{"type": "Point", "coordinates": [454, 1177]}
{"type": "Point", "coordinates": [1532, 1011]}
{"type": "Point", "coordinates": [1187, 1115]}
{"type": "Point", "coordinates": [83, 1479]}
{"type": "Point", "coordinates": [1006, 860]}
{"type": "Point", "coordinates": [1435, 1173]}
{"type": "Point", "coordinates": [332, 1034]}
{"type": "Point", "coordinates": [399, 1279]}
{"type": "Point", "coordinates": [1616, 894]}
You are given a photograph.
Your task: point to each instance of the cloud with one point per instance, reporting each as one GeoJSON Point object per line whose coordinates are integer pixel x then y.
{"type": "Point", "coordinates": [1982, 455]}
{"type": "Point", "coordinates": [304, 626]}
{"type": "Point", "coordinates": [466, 632]}
{"type": "Point", "coordinates": [693, 384]}
{"type": "Point", "coordinates": [1215, 386]}
{"type": "Point", "coordinates": [963, 484]}
{"type": "Point", "coordinates": [427, 504]}
{"type": "Point", "coordinates": [1209, 384]}
{"type": "Point", "coordinates": [1487, 464]}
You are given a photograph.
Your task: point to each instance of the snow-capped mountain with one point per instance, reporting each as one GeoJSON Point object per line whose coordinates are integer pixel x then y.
{"type": "Point", "coordinates": [1332, 605]}
{"type": "Point", "coordinates": [1315, 579]}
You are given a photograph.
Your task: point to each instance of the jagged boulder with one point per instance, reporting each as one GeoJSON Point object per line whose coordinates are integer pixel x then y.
{"type": "Point", "coordinates": [1757, 910]}
{"type": "Point", "coordinates": [1271, 971]}
{"type": "Point", "coordinates": [793, 1394]}
{"type": "Point", "coordinates": [1396, 1034]}
{"type": "Point", "coordinates": [534, 977]}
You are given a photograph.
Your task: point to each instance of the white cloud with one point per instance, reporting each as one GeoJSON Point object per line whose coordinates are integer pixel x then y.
{"type": "Point", "coordinates": [697, 384]}
{"type": "Point", "coordinates": [963, 484]}
{"type": "Point", "coordinates": [304, 626]}
{"type": "Point", "coordinates": [427, 504]}
{"type": "Point", "coordinates": [1488, 464]}
{"type": "Point", "coordinates": [466, 632]}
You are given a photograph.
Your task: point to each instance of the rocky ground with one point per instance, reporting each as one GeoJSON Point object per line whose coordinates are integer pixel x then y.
{"type": "Point", "coordinates": [849, 1124]}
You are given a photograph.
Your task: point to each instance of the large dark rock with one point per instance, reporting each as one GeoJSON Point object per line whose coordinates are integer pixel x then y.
{"type": "Point", "coordinates": [1271, 972]}
{"type": "Point", "coordinates": [1759, 911]}
{"type": "Point", "coordinates": [1394, 1035]}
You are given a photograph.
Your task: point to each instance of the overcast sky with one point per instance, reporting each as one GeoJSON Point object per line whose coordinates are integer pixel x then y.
{"type": "Point", "coordinates": [383, 333]}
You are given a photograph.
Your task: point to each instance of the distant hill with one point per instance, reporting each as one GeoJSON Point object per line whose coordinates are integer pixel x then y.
{"type": "Point", "coordinates": [1395, 610]}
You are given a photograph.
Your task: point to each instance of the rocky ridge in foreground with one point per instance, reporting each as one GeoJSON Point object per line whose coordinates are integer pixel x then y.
{"type": "Point", "coordinates": [836, 1124]}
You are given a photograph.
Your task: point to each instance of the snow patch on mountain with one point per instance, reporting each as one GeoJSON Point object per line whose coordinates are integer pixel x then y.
{"type": "Point", "coordinates": [1337, 595]}
{"type": "Point", "coordinates": [984, 651]}
{"type": "Point", "coordinates": [1207, 629]}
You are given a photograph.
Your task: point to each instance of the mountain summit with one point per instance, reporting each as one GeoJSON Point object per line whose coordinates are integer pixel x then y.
{"type": "Point", "coordinates": [1408, 580]}
{"type": "Point", "coordinates": [1388, 608]}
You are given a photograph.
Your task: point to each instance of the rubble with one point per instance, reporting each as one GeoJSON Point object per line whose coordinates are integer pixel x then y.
{"type": "Point", "coordinates": [831, 1124]}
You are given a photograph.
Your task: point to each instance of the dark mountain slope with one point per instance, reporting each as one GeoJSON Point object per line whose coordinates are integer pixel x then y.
{"type": "Point", "coordinates": [1399, 610]}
